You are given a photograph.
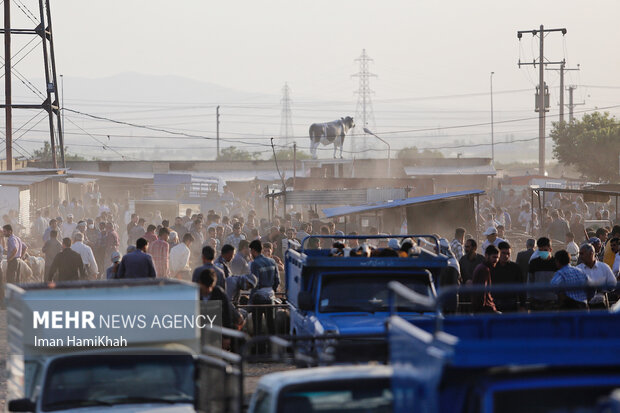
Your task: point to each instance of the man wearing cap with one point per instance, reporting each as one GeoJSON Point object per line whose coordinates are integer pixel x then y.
{"type": "Point", "coordinates": [69, 227]}
{"type": "Point", "coordinates": [111, 271]}
{"type": "Point", "coordinates": [492, 238]}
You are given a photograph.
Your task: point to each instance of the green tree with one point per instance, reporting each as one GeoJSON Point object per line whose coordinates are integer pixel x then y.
{"type": "Point", "coordinates": [413, 152]}
{"type": "Point", "coordinates": [45, 154]}
{"type": "Point", "coordinates": [591, 145]}
{"type": "Point", "coordinates": [287, 155]}
{"type": "Point", "coordinates": [233, 153]}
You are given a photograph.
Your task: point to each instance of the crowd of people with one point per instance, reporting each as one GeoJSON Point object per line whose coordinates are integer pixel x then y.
{"type": "Point", "coordinates": [94, 238]}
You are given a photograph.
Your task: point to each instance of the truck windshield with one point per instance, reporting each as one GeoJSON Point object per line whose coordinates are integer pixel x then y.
{"type": "Point", "coordinates": [107, 380]}
{"type": "Point", "coordinates": [351, 396]}
{"type": "Point", "coordinates": [368, 293]}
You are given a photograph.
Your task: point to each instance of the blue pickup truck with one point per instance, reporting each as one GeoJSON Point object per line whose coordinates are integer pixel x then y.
{"type": "Point", "coordinates": [345, 295]}
{"type": "Point", "coordinates": [539, 362]}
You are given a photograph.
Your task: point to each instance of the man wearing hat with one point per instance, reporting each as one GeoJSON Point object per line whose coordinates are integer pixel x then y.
{"type": "Point", "coordinates": [68, 228]}
{"type": "Point", "coordinates": [111, 271]}
{"type": "Point", "coordinates": [492, 238]}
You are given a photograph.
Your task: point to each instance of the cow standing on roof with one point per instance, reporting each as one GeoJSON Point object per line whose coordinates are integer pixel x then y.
{"type": "Point", "coordinates": [328, 133]}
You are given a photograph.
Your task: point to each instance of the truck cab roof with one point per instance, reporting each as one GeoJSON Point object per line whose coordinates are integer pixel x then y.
{"type": "Point", "coordinates": [275, 382]}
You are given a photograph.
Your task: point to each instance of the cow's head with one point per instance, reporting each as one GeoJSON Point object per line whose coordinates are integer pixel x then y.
{"type": "Point", "coordinates": [348, 122]}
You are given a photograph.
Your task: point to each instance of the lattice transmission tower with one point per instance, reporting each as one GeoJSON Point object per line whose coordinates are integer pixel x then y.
{"type": "Point", "coordinates": [364, 116]}
{"type": "Point", "coordinates": [286, 118]}
{"type": "Point", "coordinates": [33, 31]}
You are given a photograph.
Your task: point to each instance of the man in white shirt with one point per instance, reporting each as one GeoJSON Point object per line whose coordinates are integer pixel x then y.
{"type": "Point", "coordinates": [88, 258]}
{"type": "Point", "coordinates": [179, 259]}
{"type": "Point", "coordinates": [598, 273]}
{"type": "Point", "coordinates": [492, 238]}
{"type": "Point", "coordinates": [68, 227]}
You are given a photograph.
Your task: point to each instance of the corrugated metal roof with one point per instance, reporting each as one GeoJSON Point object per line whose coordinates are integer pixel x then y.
{"type": "Point", "coordinates": [487, 170]}
{"type": "Point", "coordinates": [348, 210]}
{"type": "Point", "coordinates": [23, 180]}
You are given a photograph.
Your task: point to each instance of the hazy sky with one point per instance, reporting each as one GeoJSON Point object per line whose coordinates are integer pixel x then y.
{"type": "Point", "coordinates": [420, 49]}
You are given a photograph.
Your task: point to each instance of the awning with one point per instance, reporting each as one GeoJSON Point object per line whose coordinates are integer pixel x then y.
{"type": "Point", "coordinates": [348, 210]}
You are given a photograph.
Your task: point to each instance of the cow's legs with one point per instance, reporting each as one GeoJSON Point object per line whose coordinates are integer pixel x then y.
{"type": "Point", "coordinates": [341, 146]}
{"type": "Point", "coordinates": [335, 149]}
{"type": "Point", "coordinates": [313, 145]}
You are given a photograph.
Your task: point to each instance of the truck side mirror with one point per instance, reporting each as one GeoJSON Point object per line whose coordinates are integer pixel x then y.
{"type": "Point", "coordinates": [305, 301]}
{"type": "Point", "coordinates": [22, 405]}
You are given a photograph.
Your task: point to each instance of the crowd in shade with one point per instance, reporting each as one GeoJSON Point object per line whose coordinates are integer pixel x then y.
{"type": "Point", "coordinates": [232, 249]}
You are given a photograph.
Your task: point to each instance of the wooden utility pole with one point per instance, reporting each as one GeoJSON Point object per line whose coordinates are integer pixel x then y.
{"type": "Point", "coordinates": [7, 86]}
{"type": "Point", "coordinates": [563, 69]}
{"type": "Point", "coordinates": [541, 96]}
{"type": "Point", "coordinates": [571, 104]}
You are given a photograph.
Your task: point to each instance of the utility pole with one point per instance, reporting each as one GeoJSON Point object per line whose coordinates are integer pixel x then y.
{"type": "Point", "coordinates": [492, 132]}
{"type": "Point", "coordinates": [571, 105]}
{"type": "Point", "coordinates": [50, 104]}
{"type": "Point", "coordinates": [541, 95]}
{"type": "Point", "coordinates": [562, 69]}
{"type": "Point", "coordinates": [286, 117]}
{"type": "Point", "coordinates": [217, 130]}
{"type": "Point", "coordinates": [364, 102]}
{"type": "Point", "coordinates": [7, 86]}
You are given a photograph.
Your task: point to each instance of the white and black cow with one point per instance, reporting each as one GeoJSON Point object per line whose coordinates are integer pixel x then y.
{"type": "Point", "coordinates": [328, 133]}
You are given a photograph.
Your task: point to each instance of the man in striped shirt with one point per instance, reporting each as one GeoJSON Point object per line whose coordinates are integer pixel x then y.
{"type": "Point", "coordinates": [159, 250]}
